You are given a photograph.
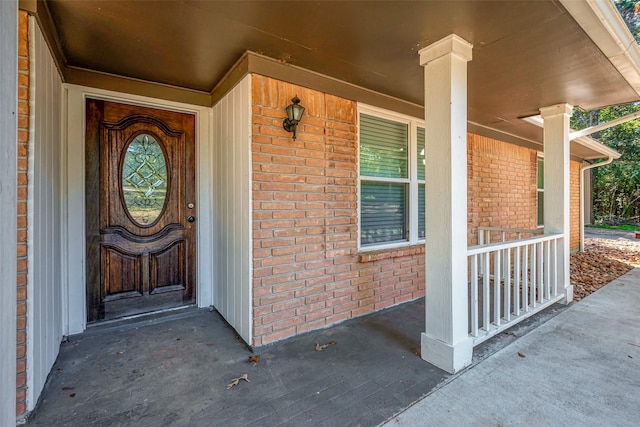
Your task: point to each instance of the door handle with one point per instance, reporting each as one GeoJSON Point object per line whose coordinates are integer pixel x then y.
{"type": "Point", "coordinates": [191, 218]}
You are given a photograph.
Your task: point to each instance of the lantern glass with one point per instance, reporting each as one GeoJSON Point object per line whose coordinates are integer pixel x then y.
{"type": "Point", "coordinates": [290, 113]}
{"type": "Point", "coordinates": [297, 111]}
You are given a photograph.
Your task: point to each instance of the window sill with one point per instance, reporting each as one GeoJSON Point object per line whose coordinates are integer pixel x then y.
{"type": "Point", "coordinates": [381, 254]}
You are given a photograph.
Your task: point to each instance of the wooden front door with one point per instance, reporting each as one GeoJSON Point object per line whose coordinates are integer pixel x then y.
{"type": "Point", "coordinates": [141, 225]}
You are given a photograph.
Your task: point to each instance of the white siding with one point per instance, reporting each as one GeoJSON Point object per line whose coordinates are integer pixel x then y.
{"type": "Point", "coordinates": [232, 208]}
{"type": "Point", "coordinates": [8, 161]}
{"type": "Point", "coordinates": [44, 321]}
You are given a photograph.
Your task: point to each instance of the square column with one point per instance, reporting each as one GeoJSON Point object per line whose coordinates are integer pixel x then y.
{"type": "Point", "coordinates": [556, 186]}
{"type": "Point", "coordinates": [446, 342]}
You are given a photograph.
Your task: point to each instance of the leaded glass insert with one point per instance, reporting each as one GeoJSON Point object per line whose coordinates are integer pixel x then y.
{"type": "Point", "coordinates": [144, 179]}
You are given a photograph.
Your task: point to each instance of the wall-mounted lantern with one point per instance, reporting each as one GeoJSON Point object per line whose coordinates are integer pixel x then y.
{"type": "Point", "coordinates": [294, 114]}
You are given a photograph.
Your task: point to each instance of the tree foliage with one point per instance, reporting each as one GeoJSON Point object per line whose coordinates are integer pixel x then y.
{"type": "Point", "coordinates": [616, 187]}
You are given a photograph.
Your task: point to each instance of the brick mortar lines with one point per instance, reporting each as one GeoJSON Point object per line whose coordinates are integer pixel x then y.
{"type": "Point", "coordinates": [21, 230]}
{"type": "Point", "coordinates": [333, 285]}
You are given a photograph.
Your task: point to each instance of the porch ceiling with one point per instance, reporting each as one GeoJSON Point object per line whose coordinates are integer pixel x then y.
{"type": "Point", "coordinates": [527, 54]}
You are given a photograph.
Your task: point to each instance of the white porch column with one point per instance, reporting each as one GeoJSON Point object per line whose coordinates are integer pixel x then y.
{"type": "Point", "coordinates": [446, 342]}
{"type": "Point", "coordinates": [556, 185]}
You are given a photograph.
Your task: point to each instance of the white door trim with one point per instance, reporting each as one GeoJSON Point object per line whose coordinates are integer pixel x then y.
{"type": "Point", "coordinates": [74, 234]}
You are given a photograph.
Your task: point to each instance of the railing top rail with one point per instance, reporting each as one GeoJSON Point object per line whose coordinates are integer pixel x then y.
{"type": "Point", "coordinates": [480, 249]}
{"type": "Point", "coordinates": [512, 230]}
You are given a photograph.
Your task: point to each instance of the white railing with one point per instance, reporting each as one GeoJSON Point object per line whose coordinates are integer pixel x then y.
{"type": "Point", "coordinates": [487, 235]}
{"type": "Point", "coordinates": [510, 281]}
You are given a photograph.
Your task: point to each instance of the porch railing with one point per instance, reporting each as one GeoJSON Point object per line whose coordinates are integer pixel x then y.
{"type": "Point", "coordinates": [488, 235]}
{"type": "Point", "coordinates": [510, 281]}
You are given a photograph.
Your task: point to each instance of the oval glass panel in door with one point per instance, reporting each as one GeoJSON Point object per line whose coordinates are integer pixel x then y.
{"type": "Point", "coordinates": [144, 179]}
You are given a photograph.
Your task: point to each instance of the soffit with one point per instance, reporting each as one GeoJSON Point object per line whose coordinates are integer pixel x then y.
{"type": "Point", "coordinates": [526, 55]}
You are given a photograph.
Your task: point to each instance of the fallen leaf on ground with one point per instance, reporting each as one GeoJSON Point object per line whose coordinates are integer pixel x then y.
{"type": "Point", "coordinates": [67, 388]}
{"type": "Point", "coordinates": [323, 346]}
{"type": "Point", "coordinates": [255, 359]}
{"type": "Point", "coordinates": [521, 355]}
{"type": "Point", "coordinates": [178, 339]}
{"type": "Point", "coordinates": [209, 345]}
{"type": "Point", "coordinates": [72, 395]}
{"type": "Point", "coordinates": [120, 352]}
{"type": "Point", "coordinates": [235, 381]}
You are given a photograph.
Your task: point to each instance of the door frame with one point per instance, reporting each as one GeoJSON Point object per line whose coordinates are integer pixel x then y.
{"type": "Point", "coordinates": [73, 233]}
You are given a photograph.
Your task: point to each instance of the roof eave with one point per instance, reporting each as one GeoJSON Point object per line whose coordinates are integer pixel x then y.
{"type": "Point", "coordinates": [601, 21]}
{"type": "Point", "coordinates": [598, 147]}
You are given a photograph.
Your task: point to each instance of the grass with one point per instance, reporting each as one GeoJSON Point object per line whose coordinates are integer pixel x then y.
{"type": "Point", "coordinates": [625, 227]}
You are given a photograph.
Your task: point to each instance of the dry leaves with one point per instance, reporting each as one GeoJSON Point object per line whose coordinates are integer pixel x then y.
{"type": "Point", "coordinates": [235, 381]}
{"type": "Point", "coordinates": [255, 359]}
{"type": "Point", "coordinates": [67, 388]}
{"type": "Point", "coordinates": [323, 346]}
{"type": "Point", "coordinates": [602, 261]}
{"type": "Point", "coordinates": [521, 354]}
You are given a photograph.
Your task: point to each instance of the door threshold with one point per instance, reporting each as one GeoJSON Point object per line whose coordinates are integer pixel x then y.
{"type": "Point", "coordinates": [142, 319]}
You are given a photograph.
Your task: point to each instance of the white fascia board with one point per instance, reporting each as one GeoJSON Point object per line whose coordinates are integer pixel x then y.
{"type": "Point", "coordinates": [586, 141]}
{"type": "Point", "coordinates": [597, 146]}
{"type": "Point", "coordinates": [603, 24]}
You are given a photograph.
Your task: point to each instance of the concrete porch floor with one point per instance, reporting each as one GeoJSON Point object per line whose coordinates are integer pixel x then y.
{"type": "Point", "coordinates": [581, 368]}
{"type": "Point", "coordinates": [172, 370]}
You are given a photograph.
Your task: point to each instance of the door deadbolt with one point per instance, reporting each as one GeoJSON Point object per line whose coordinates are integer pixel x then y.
{"type": "Point", "coordinates": [191, 218]}
{"type": "Point", "coordinates": [190, 205]}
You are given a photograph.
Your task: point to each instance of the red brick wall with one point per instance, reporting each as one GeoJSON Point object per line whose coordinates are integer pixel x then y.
{"type": "Point", "coordinates": [501, 185]}
{"type": "Point", "coordinates": [23, 140]}
{"type": "Point", "coordinates": [307, 272]}
{"type": "Point", "coordinates": [574, 205]}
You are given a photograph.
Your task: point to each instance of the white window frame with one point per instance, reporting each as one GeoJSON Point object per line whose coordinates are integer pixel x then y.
{"type": "Point", "coordinates": [539, 190]}
{"type": "Point", "coordinates": [413, 124]}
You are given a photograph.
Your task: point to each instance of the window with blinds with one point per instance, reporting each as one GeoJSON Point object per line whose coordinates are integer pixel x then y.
{"type": "Point", "coordinates": [391, 171]}
{"type": "Point", "coordinates": [421, 183]}
{"type": "Point", "coordinates": [540, 191]}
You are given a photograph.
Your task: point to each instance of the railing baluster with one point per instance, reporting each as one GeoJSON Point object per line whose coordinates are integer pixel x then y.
{"type": "Point", "coordinates": [507, 285]}
{"type": "Point", "coordinates": [474, 295]}
{"type": "Point", "coordinates": [547, 270]}
{"type": "Point", "coordinates": [554, 257]}
{"type": "Point", "coordinates": [540, 256]}
{"type": "Point", "coordinates": [534, 276]}
{"type": "Point", "coordinates": [496, 287]}
{"type": "Point", "coordinates": [516, 281]}
{"type": "Point", "coordinates": [486, 297]}
{"type": "Point", "coordinates": [525, 278]}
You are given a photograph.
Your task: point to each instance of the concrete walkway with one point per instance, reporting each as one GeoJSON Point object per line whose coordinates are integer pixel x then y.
{"type": "Point", "coordinates": [581, 368]}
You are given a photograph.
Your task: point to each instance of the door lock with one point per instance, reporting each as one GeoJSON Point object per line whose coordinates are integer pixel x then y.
{"type": "Point", "coordinates": [191, 218]}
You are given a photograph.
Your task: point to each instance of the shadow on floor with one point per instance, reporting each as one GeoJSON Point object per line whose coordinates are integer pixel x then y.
{"type": "Point", "coordinates": [173, 371]}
